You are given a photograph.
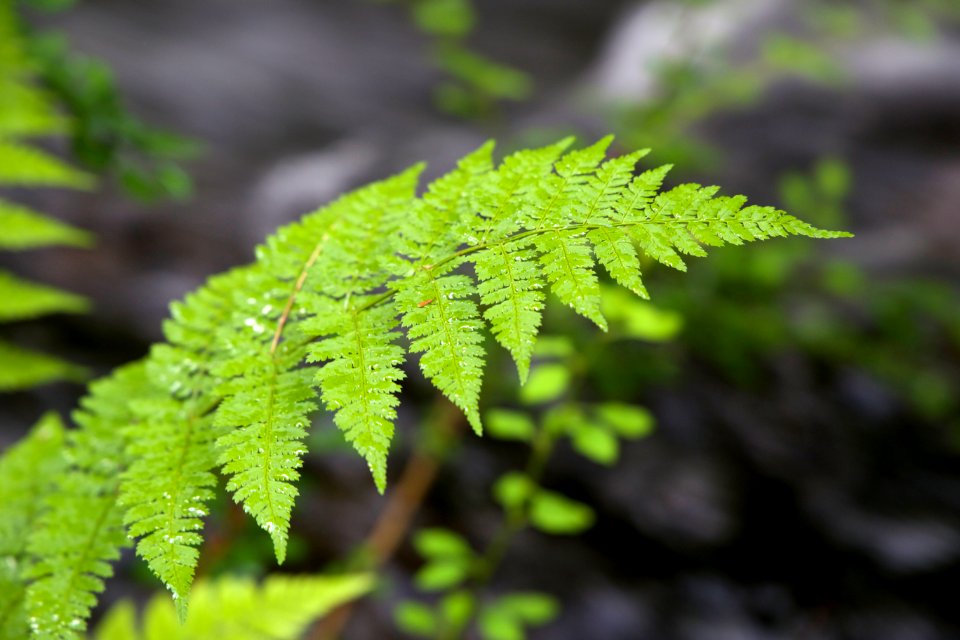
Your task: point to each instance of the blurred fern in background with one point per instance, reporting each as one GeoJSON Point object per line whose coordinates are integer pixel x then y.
{"type": "Point", "coordinates": [26, 114]}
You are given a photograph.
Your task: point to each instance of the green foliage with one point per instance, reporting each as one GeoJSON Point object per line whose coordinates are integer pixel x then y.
{"type": "Point", "coordinates": [790, 298]}
{"type": "Point", "coordinates": [548, 382]}
{"type": "Point", "coordinates": [551, 512]}
{"type": "Point", "coordinates": [27, 229]}
{"type": "Point", "coordinates": [81, 528]}
{"type": "Point", "coordinates": [460, 574]}
{"type": "Point", "coordinates": [449, 559]}
{"type": "Point", "coordinates": [26, 112]}
{"type": "Point", "coordinates": [234, 386]}
{"type": "Point", "coordinates": [27, 300]}
{"type": "Point", "coordinates": [635, 319]}
{"type": "Point", "coordinates": [105, 137]}
{"type": "Point", "coordinates": [475, 84]}
{"type": "Point", "coordinates": [507, 618]}
{"type": "Point", "coordinates": [281, 608]}
{"type": "Point", "coordinates": [27, 471]}
{"type": "Point", "coordinates": [24, 368]}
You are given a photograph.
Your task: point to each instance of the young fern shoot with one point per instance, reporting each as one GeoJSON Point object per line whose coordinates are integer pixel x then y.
{"type": "Point", "coordinates": [319, 318]}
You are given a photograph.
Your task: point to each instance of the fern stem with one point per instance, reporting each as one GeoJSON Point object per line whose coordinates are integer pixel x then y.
{"type": "Point", "coordinates": [514, 521]}
{"type": "Point", "coordinates": [418, 476]}
{"type": "Point", "coordinates": [297, 287]}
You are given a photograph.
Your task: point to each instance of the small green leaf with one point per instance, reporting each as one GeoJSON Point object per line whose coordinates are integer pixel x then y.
{"type": "Point", "coordinates": [510, 425]}
{"type": "Point", "coordinates": [563, 419]}
{"type": "Point", "coordinates": [498, 624]}
{"type": "Point", "coordinates": [833, 178]}
{"type": "Point", "coordinates": [596, 443]}
{"type": "Point", "coordinates": [452, 18]}
{"type": "Point", "coordinates": [533, 608]}
{"type": "Point", "coordinates": [553, 347]}
{"type": "Point", "coordinates": [415, 618]}
{"type": "Point", "coordinates": [627, 420]}
{"type": "Point", "coordinates": [553, 513]}
{"type": "Point", "coordinates": [638, 319]}
{"type": "Point", "coordinates": [440, 543]}
{"type": "Point", "coordinates": [547, 382]}
{"type": "Point", "coordinates": [457, 608]}
{"type": "Point", "coordinates": [442, 574]}
{"type": "Point", "coordinates": [513, 489]}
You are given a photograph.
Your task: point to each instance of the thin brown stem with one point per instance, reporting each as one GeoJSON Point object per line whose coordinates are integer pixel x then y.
{"type": "Point", "coordinates": [394, 523]}
{"type": "Point", "coordinates": [298, 285]}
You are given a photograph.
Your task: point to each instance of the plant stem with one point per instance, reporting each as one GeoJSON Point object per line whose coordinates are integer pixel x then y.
{"type": "Point", "coordinates": [515, 520]}
{"type": "Point", "coordinates": [393, 524]}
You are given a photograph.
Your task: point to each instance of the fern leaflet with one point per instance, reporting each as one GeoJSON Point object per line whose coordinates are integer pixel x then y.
{"type": "Point", "coordinates": [26, 473]}
{"type": "Point", "coordinates": [81, 530]}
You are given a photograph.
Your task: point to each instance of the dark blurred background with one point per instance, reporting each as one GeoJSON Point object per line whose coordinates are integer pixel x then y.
{"type": "Point", "coordinates": [802, 481]}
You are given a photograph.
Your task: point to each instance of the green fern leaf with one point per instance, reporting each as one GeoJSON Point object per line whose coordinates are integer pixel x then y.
{"type": "Point", "coordinates": [445, 326]}
{"type": "Point", "coordinates": [557, 194]}
{"type": "Point", "coordinates": [25, 110]}
{"type": "Point", "coordinates": [26, 229]}
{"type": "Point", "coordinates": [636, 197]}
{"type": "Point", "coordinates": [615, 251]}
{"type": "Point", "coordinates": [173, 448]}
{"type": "Point", "coordinates": [511, 288]}
{"type": "Point", "coordinates": [508, 195]}
{"type": "Point", "coordinates": [22, 368]}
{"type": "Point", "coordinates": [281, 608]}
{"type": "Point", "coordinates": [81, 530]}
{"type": "Point", "coordinates": [25, 166]}
{"type": "Point", "coordinates": [595, 202]}
{"type": "Point", "coordinates": [272, 402]}
{"type": "Point", "coordinates": [25, 300]}
{"type": "Point", "coordinates": [338, 251]}
{"type": "Point", "coordinates": [360, 381]}
{"type": "Point", "coordinates": [569, 268]}
{"type": "Point", "coordinates": [440, 219]}
{"type": "Point", "coordinates": [27, 471]}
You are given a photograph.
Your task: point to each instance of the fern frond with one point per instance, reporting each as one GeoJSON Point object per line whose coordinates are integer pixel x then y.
{"type": "Point", "coordinates": [267, 398]}
{"type": "Point", "coordinates": [232, 608]}
{"type": "Point", "coordinates": [27, 471]}
{"type": "Point", "coordinates": [237, 383]}
{"type": "Point", "coordinates": [173, 446]}
{"type": "Point", "coordinates": [27, 229]}
{"type": "Point", "coordinates": [556, 194]}
{"type": "Point", "coordinates": [81, 530]}
{"type": "Point", "coordinates": [24, 300]}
